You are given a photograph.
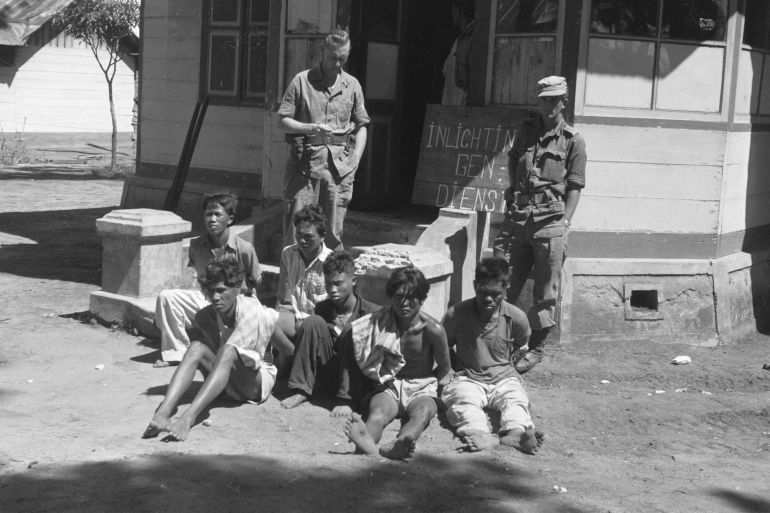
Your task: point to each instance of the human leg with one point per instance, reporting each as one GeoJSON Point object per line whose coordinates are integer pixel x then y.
{"type": "Point", "coordinates": [175, 310]}
{"type": "Point", "coordinates": [548, 261]}
{"type": "Point", "coordinates": [418, 414]}
{"type": "Point", "coordinates": [299, 190]}
{"type": "Point", "coordinates": [521, 260]}
{"type": "Point", "coordinates": [383, 408]}
{"type": "Point", "coordinates": [516, 427]}
{"type": "Point", "coordinates": [282, 340]}
{"type": "Point", "coordinates": [465, 401]}
{"type": "Point", "coordinates": [337, 195]}
{"type": "Point", "coordinates": [313, 350]}
{"type": "Point", "coordinates": [198, 355]}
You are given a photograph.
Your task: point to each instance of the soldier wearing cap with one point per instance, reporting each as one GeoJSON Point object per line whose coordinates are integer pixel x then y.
{"type": "Point", "coordinates": [325, 120]}
{"type": "Point", "coordinates": [546, 168]}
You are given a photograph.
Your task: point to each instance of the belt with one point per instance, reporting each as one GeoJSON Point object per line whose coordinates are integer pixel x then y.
{"type": "Point", "coordinates": [324, 140]}
{"type": "Point", "coordinates": [533, 199]}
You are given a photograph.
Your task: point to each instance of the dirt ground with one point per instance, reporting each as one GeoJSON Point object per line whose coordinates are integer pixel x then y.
{"type": "Point", "coordinates": [654, 438]}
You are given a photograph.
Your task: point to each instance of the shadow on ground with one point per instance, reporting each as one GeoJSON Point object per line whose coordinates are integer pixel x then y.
{"type": "Point", "coordinates": [67, 248]}
{"type": "Point", "coordinates": [62, 173]}
{"type": "Point", "coordinates": [743, 501]}
{"type": "Point", "coordinates": [245, 483]}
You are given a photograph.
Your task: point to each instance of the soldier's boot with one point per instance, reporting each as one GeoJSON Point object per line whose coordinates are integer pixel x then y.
{"type": "Point", "coordinates": [535, 353]}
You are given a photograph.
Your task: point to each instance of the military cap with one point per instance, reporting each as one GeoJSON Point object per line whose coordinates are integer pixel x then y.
{"type": "Point", "coordinates": [552, 86]}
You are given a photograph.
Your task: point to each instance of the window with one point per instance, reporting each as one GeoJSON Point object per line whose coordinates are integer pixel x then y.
{"type": "Point", "coordinates": [235, 49]}
{"type": "Point", "coordinates": [754, 62]}
{"type": "Point", "coordinates": [525, 49]}
{"type": "Point", "coordinates": [653, 54]}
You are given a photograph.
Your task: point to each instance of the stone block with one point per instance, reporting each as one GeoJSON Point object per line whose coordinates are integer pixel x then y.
{"type": "Point", "coordinates": [375, 265]}
{"type": "Point", "coordinates": [143, 251]}
{"type": "Point", "coordinates": [136, 312]}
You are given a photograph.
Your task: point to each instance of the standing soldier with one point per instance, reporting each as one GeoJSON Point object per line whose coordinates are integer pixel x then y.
{"type": "Point", "coordinates": [325, 121]}
{"type": "Point", "coordinates": [546, 168]}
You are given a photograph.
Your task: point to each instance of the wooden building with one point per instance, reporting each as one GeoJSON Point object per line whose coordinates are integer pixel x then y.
{"type": "Point", "coordinates": [51, 87]}
{"type": "Point", "coordinates": [671, 236]}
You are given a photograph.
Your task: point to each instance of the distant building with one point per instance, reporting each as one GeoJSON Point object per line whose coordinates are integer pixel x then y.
{"type": "Point", "coordinates": [672, 236]}
{"type": "Point", "coordinates": [51, 87]}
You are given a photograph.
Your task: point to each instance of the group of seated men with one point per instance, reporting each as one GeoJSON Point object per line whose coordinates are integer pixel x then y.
{"type": "Point", "coordinates": [376, 363]}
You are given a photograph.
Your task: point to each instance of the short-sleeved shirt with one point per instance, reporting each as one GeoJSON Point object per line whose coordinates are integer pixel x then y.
{"type": "Point", "coordinates": [201, 254]}
{"type": "Point", "coordinates": [484, 350]}
{"type": "Point", "coordinates": [302, 286]}
{"type": "Point", "coordinates": [546, 166]}
{"type": "Point", "coordinates": [341, 107]}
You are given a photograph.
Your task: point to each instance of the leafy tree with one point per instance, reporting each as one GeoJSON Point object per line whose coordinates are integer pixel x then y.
{"type": "Point", "coordinates": [102, 24]}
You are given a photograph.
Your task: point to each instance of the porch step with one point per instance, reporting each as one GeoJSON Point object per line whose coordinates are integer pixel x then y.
{"type": "Point", "coordinates": [398, 226]}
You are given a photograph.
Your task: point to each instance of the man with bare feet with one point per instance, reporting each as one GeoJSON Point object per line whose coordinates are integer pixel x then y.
{"type": "Point", "coordinates": [233, 355]}
{"type": "Point", "coordinates": [397, 346]}
{"type": "Point", "coordinates": [301, 280]}
{"type": "Point", "coordinates": [176, 308]}
{"type": "Point", "coordinates": [317, 365]}
{"type": "Point", "coordinates": [487, 332]}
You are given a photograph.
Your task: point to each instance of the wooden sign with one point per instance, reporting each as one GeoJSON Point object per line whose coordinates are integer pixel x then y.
{"type": "Point", "coordinates": [464, 157]}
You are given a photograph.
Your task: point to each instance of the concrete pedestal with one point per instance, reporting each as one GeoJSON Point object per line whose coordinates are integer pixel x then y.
{"type": "Point", "coordinates": [375, 265]}
{"type": "Point", "coordinates": [143, 254]}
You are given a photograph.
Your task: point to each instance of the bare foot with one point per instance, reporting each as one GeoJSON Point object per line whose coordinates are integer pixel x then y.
{"type": "Point", "coordinates": [294, 400]}
{"type": "Point", "coordinates": [480, 441]}
{"type": "Point", "coordinates": [179, 428]}
{"type": "Point", "coordinates": [342, 410]}
{"type": "Point", "coordinates": [399, 449]}
{"type": "Point", "coordinates": [355, 429]}
{"type": "Point", "coordinates": [157, 425]}
{"type": "Point", "coordinates": [527, 440]}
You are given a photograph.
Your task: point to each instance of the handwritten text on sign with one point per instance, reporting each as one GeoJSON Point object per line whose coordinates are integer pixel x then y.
{"type": "Point", "coordinates": [464, 157]}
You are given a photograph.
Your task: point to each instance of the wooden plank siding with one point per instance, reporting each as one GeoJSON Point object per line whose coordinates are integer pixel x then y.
{"type": "Point", "coordinates": [231, 137]}
{"type": "Point", "coordinates": [642, 179]}
{"type": "Point", "coordinates": [746, 184]}
{"type": "Point", "coordinates": [60, 89]}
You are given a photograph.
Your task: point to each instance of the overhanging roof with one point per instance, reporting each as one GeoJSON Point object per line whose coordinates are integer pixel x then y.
{"type": "Point", "coordinates": [19, 19]}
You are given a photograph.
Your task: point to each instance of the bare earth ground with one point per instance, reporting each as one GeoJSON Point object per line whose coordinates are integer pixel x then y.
{"type": "Point", "coordinates": [69, 432]}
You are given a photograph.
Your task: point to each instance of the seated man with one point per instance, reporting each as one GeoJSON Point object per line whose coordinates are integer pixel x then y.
{"type": "Point", "coordinates": [317, 367]}
{"type": "Point", "coordinates": [233, 357]}
{"type": "Point", "coordinates": [301, 280]}
{"type": "Point", "coordinates": [397, 346]}
{"type": "Point", "coordinates": [176, 308]}
{"type": "Point", "coordinates": [487, 332]}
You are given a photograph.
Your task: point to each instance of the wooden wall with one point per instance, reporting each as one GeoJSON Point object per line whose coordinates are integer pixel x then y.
{"type": "Point", "coordinates": [231, 138]}
{"type": "Point", "coordinates": [56, 86]}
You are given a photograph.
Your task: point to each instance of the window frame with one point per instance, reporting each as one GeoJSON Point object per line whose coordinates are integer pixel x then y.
{"type": "Point", "coordinates": [756, 114]}
{"type": "Point", "coordinates": [244, 30]}
{"type": "Point", "coordinates": [653, 112]}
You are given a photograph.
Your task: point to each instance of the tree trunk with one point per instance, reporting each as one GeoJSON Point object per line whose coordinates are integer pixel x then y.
{"type": "Point", "coordinates": [113, 159]}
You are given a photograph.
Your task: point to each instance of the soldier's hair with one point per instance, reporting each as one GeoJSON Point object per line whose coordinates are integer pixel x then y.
{"type": "Point", "coordinates": [226, 200]}
{"type": "Point", "coordinates": [339, 262]}
{"type": "Point", "coordinates": [467, 7]}
{"type": "Point", "coordinates": [227, 271]}
{"type": "Point", "coordinates": [492, 269]}
{"type": "Point", "coordinates": [311, 215]}
{"type": "Point", "coordinates": [411, 279]}
{"type": "Point", "coordinates": [337, 38]}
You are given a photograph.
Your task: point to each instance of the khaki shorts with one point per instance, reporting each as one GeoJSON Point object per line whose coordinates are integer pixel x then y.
{"type": "Point", "coordinates": [404, 391]}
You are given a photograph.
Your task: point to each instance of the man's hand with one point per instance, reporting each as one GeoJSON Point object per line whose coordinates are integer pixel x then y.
{"type": "Point", "coordinates": [321, 129]}
{"type": "Point", "coordinates": [448, 377]}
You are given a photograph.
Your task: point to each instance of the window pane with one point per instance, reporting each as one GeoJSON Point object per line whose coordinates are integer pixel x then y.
{"type": "Point", "coordinates": [226, 11]}
{"type": "Point", "coordinates": [694, 20]}
{"type": "Point", "coordinates": [303, 17]}
{"type": "Point", "coordinates": [381, 20]}
{"type": "Point", "coordinates": [683, 69]}
{"type": "Point", "coordinates": [619, 73]}
{"type": "Point", "coordinates": [625, 17]}
{"type": "Point", "coordinates": [259, 11]}
{"type": "Point", "coordinates": [223, 59]}
{"type": "Point", "coordinates": [756, 24]}
{"type": "Point", "coordinates": [514, 16]}
{"type": "Point", "coordinates": [256, 77]}
{"type": "Point", "coordinates": [343, 15]}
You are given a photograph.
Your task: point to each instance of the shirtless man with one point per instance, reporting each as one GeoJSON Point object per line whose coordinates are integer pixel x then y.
{"type": "Point", "coordinates": [488, 333]}
{"type": "Point", "coordinates": [236, 331]}
{"type": "Point", "coordinates": [413, 393]}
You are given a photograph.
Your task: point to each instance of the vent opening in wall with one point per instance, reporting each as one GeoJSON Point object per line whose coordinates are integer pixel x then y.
{"type": "Point", "coordinates": [641, 302]}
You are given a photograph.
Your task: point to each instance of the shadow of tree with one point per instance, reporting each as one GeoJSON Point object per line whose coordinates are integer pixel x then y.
{"type": "Point", "coordinates": [261, 483]}
{"type": "Point", "coordinates": [67, 248]}
{"type": "Point", "coordinates": [744, 501]}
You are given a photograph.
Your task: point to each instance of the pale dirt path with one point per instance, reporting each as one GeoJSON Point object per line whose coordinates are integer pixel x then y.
{"type": "Point", "coordinates": [69, 439]}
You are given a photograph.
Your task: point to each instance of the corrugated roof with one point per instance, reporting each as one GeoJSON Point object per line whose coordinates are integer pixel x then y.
{"type": "Point", "coordinates": [19, 19]}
